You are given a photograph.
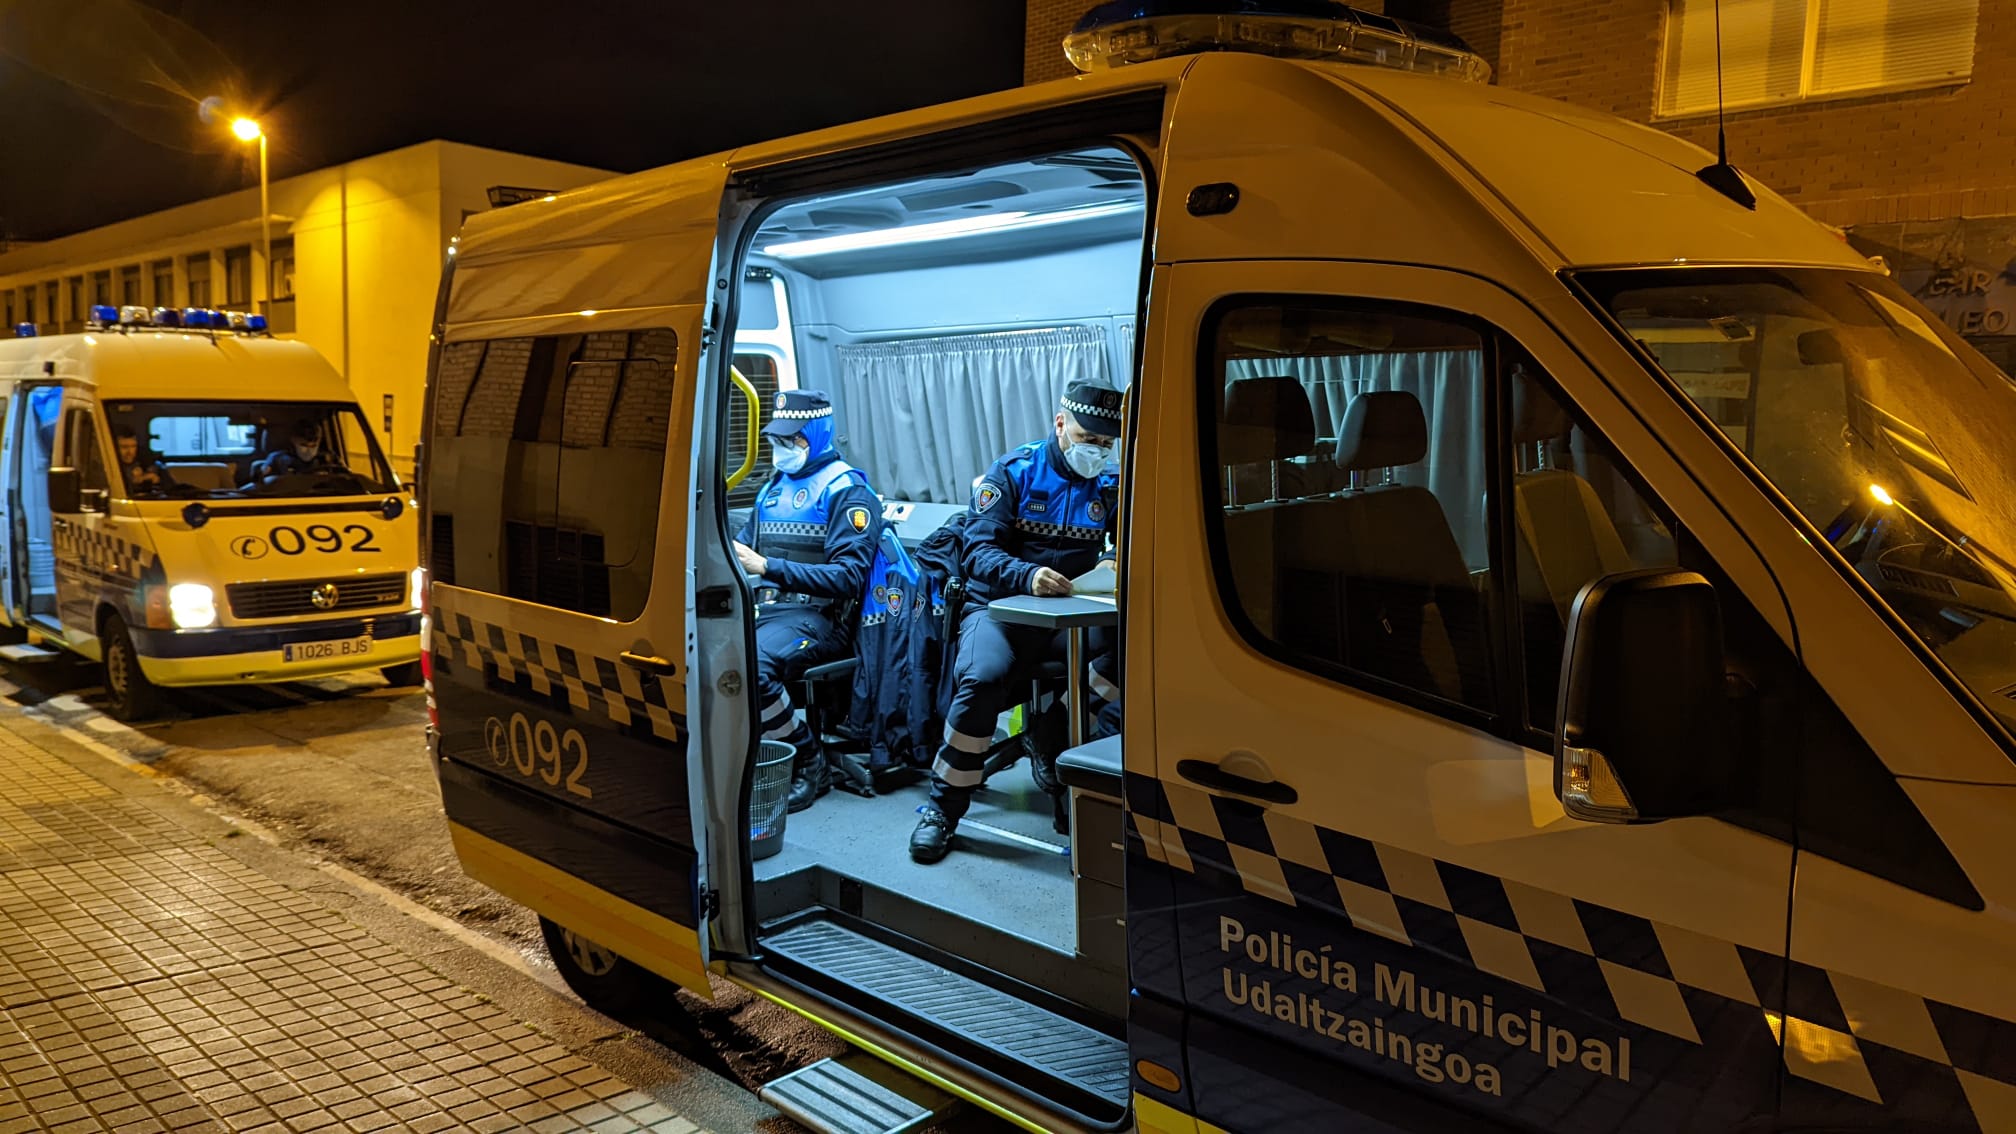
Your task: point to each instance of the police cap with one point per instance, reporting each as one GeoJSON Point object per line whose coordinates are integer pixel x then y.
{"type": "Point", "coordinates": [1094, 406]}
{"type": "Point", "coordinates": [792, 410]}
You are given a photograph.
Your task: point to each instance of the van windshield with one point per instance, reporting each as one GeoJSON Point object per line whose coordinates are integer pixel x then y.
{"type": "Point", "coordinates": [214, 449]}
{"type": "Point", "coordinates": [1885, 430]}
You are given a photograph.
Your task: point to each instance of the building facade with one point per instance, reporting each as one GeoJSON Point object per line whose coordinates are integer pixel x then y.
{"type": "Point", "coordinates": [356, 264]}
{"type": "Point", "coordinates": [1888, 120]}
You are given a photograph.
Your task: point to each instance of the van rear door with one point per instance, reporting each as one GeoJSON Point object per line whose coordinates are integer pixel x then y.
{"type": "Point", "coordinates": [559, 614]}
{"type": "Point", "coordinates": [1358, 608]}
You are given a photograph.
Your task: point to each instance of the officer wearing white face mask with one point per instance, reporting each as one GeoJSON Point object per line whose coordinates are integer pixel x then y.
{"type": "Point", "coordinates": [1042, 516]}
{"type": "Point", "coordinates": [811, 538]}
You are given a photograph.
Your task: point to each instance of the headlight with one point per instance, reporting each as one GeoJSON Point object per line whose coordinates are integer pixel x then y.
{"type": "Point", "coordinates": [416, 589]}
{"type": "Point", "coordinates": [192, 605]}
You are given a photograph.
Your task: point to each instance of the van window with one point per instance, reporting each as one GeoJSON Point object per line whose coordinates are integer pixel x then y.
{"type": "Point", "coordinates": [81, 450]}
{"type": "Point", "coordinates": [1886, 433]}
{"type": "Point", "coordinates": [761, 371]}
{"type": "Point", "coordinates": [1575, 518]}
{"type": "Point", "coordinates": [1348, 518]}
{"type": "Point", "coordinates": [197, 450]}
{"type": "Point", "coordinates": [547, 466]}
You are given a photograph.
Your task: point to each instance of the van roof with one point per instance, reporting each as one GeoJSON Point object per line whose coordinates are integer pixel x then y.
{"type": "Point", "coordinates": [179, 364]}
{"type": "Point", "coordinates": [1367, 163]}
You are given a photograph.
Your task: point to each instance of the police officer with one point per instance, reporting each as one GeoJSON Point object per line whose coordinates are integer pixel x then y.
{"type": "Point", "coordinates": [1040, 517]}
{"type": "Point", "coordinates": [811, 538]}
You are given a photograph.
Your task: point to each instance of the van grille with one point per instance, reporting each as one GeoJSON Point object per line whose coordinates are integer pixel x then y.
{"type": "Point", "coordinates": [297, 596]}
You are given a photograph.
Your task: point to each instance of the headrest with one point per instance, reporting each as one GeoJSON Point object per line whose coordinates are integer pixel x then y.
{"type": "Point", "coordinates": [1266, 419]}
{"type": "Point", "coordinates": [1382, 430]}
{"type": "Point", "coordinates": [1535, 416]}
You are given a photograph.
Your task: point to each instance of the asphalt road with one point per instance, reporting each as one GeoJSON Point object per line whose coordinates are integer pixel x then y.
{"type": "Point", "coordinates": [337, 769]}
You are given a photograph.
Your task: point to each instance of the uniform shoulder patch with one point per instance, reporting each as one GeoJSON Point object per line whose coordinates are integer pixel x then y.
{"type": "Point", "coordinates": [859, 518]}
{"type": "Point", "coordinates": [985, 497]}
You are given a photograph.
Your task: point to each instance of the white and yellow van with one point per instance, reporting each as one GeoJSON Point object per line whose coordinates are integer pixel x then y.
{"type": "Point", "coordinates": [1569, 610]}
{"type": "Point", "coordinates": [154, 524]}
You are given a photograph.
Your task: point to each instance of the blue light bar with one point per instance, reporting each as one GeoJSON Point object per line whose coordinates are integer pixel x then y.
{"type": "Point", "coordinates": [167, 317]}
{"type": "Point", "coordinates": [134, 315]}
{"type": "Point", "coordinates": [255, 324]}
{"type": "Point", "coordinates": [200, 318]}
{"type": "Point", "coordinates": [24, 330]}
{"type": "Point", "coordinates": [104, 315]}
{"type": "Point", "coordinates": [234, 320]}
{"type": "Point", "coordinates": [1120, 32]}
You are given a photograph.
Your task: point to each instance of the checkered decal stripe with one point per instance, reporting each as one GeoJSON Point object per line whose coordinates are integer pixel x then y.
{"type": "Point", "coordinates": [1941, 1064]}
{"type": "Point", "coordinates": [99, 550]}
{"type": "Point", "coordinates": [790, 528]}
{"type": "Point", "coordinates": [1038, 527]}
{"type": "Point", "coordinates": [592, 684]}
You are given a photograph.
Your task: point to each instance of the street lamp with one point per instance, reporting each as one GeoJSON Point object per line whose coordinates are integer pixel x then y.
{"type": "Point", "coordinates": [247, 131]}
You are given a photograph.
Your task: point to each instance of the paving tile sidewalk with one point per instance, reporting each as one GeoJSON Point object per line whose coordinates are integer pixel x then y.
{"type": "Point", "coordinates": [151, 981]}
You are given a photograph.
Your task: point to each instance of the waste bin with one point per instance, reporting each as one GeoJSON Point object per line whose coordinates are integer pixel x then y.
{"type": "Point", "coordinates": [769, 797]}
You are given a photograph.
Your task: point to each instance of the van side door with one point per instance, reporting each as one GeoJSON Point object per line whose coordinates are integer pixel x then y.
{"type": "Point", "coordinates": [558, 607]}
{"type": "Point", "coordinates": [89, 559]}
{"type": "Point", "coordinates": [1386, 505]}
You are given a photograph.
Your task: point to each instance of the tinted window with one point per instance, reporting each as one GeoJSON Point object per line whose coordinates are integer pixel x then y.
{"type": "Point", "coordinates": [1347, 456]}
{"type": "Point", "coordinates": [546, 467]}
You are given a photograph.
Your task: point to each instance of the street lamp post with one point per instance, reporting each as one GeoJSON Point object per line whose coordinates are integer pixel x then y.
{"type": "Point", "coordinates": [247, 131]}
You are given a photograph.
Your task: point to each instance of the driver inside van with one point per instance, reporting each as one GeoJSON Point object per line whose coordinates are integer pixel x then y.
{"type": "Point", "coordinates": [302, 454]}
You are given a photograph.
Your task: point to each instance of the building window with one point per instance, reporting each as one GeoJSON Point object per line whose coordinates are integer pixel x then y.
{"type": "Point", "coordinates": [164, 283]}
{"type": "Point", "coordinates": [7, 308]}
{"type": "Point", "coordinates": [101, 288]}
{"type": "Point", "coordinates": [49, 313]}
{"type": "Point", "coordinates": [1787, 50]}
{"type": "Point", "coordinates": [237, 277]}
{"type": "Point", "coordinates": [27, 305]}
{"type": "Point", "coordinates": [283, 269]}
{"type": "Point", "coordinates": [199, 280]}
{"type": "Point", "coordinates": [129, 286]}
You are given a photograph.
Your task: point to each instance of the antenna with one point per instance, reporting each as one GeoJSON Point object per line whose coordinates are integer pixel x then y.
{"type": "Point", "coordinates": [1722, 177]}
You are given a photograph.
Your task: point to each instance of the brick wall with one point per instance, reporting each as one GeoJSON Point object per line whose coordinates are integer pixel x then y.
{"type": "Point", "coordinates": [1917, 155]}
{"type": "Point", "coordinates": [1914, 155]}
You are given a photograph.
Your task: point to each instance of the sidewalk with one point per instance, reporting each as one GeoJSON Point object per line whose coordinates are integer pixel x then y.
{"type": "Point", "coordinates": [159, 973]}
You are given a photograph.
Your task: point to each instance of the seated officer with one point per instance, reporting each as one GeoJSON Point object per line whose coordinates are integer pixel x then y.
{"type": "Point", "coordinates": [302, 454]}
{"type": "Point", "coordinates": [811, 537]}
{"type": "Point", "coordinates": [1042, 516]}
{"type": "Point", "coordinates": [140, 468]}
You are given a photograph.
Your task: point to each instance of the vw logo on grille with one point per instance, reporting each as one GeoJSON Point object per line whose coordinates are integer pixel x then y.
{"type": "Point", "coordinates": [324, 597]}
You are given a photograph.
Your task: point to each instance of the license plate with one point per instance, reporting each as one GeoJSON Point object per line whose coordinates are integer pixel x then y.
{"type": "Point", "coordinates": [326, 651]}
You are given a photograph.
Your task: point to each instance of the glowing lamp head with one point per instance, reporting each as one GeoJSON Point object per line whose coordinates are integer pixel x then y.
{"type": "Point", "coordinates": [246, 129]}
{"type": "Point", "coordinates": [103, 315]}
{"type": "Point", "coordinates": [1882, 497]}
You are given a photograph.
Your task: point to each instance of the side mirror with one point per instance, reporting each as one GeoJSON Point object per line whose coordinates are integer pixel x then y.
{"type": "Point", "coordinates": [65, 492]}
{"type": "Point", "coordinates": [1643, 729]}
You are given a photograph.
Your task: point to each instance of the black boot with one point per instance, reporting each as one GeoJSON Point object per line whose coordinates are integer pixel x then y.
{"type": "Point", "coordinates": [810, 778]}
{"type": "Point", "coordinates": [932, 840]}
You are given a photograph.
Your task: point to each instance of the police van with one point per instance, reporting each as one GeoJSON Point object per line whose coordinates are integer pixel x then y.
{"type": "Point", "coordinates": [193, 502]}
{"type": "Point", "coordinates": [1568, 602]}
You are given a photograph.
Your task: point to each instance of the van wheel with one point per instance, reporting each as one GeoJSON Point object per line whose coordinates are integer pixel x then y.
{"type": "Point", "coordinates": [617, 988]}
{"type": "Point", "coordinates": [404, 674]}
{"type": "Point", "coordinates": [133, 697]}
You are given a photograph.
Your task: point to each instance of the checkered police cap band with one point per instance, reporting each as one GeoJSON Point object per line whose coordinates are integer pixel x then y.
{"type": "Point", "coordinates": [804, 415]}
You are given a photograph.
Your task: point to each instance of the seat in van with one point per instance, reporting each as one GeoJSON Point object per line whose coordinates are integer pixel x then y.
{"type": "Point", "coordinates": [1267, 420]}
{"type": "Point", "coordinates": [1402, 604]}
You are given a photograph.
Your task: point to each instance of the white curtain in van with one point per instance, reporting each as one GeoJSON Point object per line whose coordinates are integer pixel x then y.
{"type": "Point", "coordinates": [1450, 387]}
{"type": "Point", "coordinates": [924, 417]}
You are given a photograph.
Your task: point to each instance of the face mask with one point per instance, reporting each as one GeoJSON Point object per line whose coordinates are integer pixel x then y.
{"type": "Point", "coordinates": [1087, 460]}
{"type": "Point", "coordinates": [787, 458]}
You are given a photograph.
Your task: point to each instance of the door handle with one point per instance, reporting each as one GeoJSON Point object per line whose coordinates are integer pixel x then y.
{"type": "Point", "coordinates": [649, 663]}
{"type": "Point", "coordinates": [1206, 773]}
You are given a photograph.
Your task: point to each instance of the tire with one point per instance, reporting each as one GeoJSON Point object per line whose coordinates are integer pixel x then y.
{"type": "Point", "coordinates": [132, 696]}
{"type": "Point", "coordinates": [404, 674]}
{"type": "Point", "coordinates": [617, 988]}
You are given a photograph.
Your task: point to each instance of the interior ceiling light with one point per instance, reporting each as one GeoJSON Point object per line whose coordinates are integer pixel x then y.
{"type": "Point", "coordinates": [945, 230]}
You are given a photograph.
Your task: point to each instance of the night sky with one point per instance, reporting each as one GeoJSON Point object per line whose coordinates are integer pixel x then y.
{"type": "Point", "coordinates": [100, 97]}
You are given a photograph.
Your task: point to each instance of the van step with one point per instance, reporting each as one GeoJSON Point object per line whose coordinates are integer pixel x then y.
{"type": "Point", "coordinates": [856, 1095]}
{"type": "Point", "coordinates": [25, 653]}
{"type": "Point", "coordinates": [1012, 1028]}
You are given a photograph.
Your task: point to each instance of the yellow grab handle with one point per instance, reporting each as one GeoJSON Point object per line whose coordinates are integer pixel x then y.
{"type": "Point", "coordinates": [755, 427]}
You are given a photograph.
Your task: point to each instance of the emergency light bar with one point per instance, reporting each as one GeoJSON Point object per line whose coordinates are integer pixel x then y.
{"type": "Point", "coordinates": [106, 317]}
{"type": "Point", "coordinates": [1136, 31]}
